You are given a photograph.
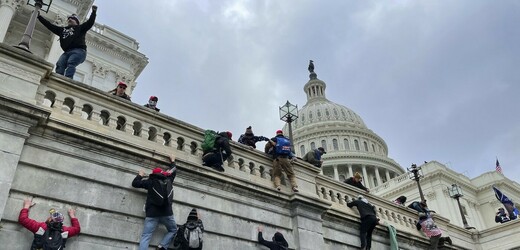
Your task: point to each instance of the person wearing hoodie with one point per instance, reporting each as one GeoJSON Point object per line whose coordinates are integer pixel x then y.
{"type": "Point", "coordinates": [314, 157]}
{"type": "Point", "coordinates": [72, 41]}
{"type": "Point", "coordinates": [250, 139]}
{"type": "Point", "coordinates": [278, 243]}
{"type": "Point", "coordinates": [220, 153]}
{"type": "Point", "coordinates": [193, 230]}
{"type": "Point", "coordinates": [155, 213]}
{"type": "Point", "coordinates": [367, 214]}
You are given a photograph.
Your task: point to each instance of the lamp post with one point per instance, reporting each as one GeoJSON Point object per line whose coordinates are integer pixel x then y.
{"type": "Point", "coordinates": [27, 35]}
{"type": "Point", "coordinates": [288, 114]}
{"type": "Point", "coordinates": [415, 173]}
{"type": "Point", "coordinates": [456, 192]}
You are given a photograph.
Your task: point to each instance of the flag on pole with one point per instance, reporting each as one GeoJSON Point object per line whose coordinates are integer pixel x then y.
{"type": "Point", "coordinates": [498, 167]}
{"type": "Point", "coordinates": [508, 204]}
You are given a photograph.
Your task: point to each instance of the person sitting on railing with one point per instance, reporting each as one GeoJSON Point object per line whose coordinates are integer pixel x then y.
{"type": "Point", "coordinates": [283, 159]}
{"type": "Point", "coordinates": [369, 220]}
{"type": "Point", "coordinates": [501, 216]}
{"type": "Point", "coordinates": [72, 41]}
{"type": "Point", "coordinates": [250, 139]}
{"type": "Point", "coordinates": [120, 91]}
{"type": "Point", "coordinates": [152, 103]}
{"type": "Point", "coordinates": [401, 200]}
{"type": "Point", "coordinates": [356, 182]}
{"type": "Point", "coordinates": [314, 157]}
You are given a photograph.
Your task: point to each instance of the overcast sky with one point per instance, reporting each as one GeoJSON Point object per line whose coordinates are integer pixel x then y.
{"type": "Point", "coordinates": [437, 80]}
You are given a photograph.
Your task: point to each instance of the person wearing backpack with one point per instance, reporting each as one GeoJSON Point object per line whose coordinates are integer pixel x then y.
{"type": "Point", "coordinates": [314, 157]}
{"type": "Point", "coordinates": [282, 160]}
{"type": "Point", "coordinates": [215, 155]}
{"type": "Point", "coordinates": [190, 235]}
{"type": "Point", "coordinates": [51, 234]}
{"type": "Point", "coordinates": [158, 206]}
{"type": "Point", "coordinates": [278, 243]}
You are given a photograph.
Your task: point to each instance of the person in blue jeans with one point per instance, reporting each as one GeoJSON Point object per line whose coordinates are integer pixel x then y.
{"type": "Point", "coordinates": [155, 213]}
{"type": "Point", "coordinates": [72, 41]}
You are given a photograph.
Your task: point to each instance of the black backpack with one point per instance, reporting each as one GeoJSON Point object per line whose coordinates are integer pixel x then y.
{"type": "Point", "coordinates": [161, 191]}
{"type": "Point", "coordinates": [51, 239]}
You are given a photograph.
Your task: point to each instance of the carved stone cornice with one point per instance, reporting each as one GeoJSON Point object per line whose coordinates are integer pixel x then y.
{"type": "Point", "coordinates": [100, 69]}
{"type": "Point", "coordinates": [20, 73]}
{"type": "Point", "coordinates": [14, 4]}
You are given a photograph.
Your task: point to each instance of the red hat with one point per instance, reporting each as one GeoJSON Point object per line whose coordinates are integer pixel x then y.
{"type": "Point", "coordinates": [279, 131]}
{"type": "Point", "coordinates": [154, 98]}
{"type": "Point", "coordinates": [156, 170]}
{"type": "Point", "coordinates": [229, 134]}
{"type": "Point", "coordinates": [122, 83]}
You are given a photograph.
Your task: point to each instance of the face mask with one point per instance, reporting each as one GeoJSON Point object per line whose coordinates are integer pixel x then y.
{"type": "Point", "coordinates": [152, 103]}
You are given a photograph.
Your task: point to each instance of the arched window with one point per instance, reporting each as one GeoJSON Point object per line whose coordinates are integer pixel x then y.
{"type": "Point", "coordinates": [302, 150]}
{"type": "Point", "coordinates": [366, 145]}
{"type": "Point", "coordinates": [346, 144]}
{"type": "Point", "coordinates": [373, 148]}
{"type": "Point", "coordinates": [324, 144]}
{"type": "Point", "coordinates": [335, 144]}
{"type": "Point", "coordinates": [356, 144]}
{"type": "Point", "coordinates": [313, 146]}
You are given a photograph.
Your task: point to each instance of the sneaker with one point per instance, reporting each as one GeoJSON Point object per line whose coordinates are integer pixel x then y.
{"type": "Point", "coordinates": [295, 189]}
{"type": "Point", "coordinates": [448, 239]}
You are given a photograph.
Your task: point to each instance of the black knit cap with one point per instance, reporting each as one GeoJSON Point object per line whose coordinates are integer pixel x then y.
{"type": "Point", "coordinates": [193, 215]}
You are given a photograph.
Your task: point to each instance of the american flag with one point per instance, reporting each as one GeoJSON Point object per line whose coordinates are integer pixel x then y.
{"type": "Point", "coordinates": [498, 168]}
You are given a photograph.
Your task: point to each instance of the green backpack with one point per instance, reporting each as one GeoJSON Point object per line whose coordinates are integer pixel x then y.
{"type": "Point", "coordinates": [210, 137]}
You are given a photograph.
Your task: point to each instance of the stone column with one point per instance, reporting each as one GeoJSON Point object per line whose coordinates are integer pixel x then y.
{"type": "Point", "coordinates": [387, 174]}
{"type": "Point", "coordinates": [365, 176]}
{"type": "Point", "coordinates": [350, 173]}
{"type": "Point", "coordinates": [7, 9]}
{"type": "Point", "coordinates": [16, 119]}
{"type": "Point", "coordinates": [336, 175]}
{"type": "Point", "coordinates": [378, 177]}
{"type": "Point", "coordinates": [307, 222]}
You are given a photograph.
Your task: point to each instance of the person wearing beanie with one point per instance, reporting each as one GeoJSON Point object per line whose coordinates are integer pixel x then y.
{"type": "Point", "coordinates": [152, 103]}
{"type": "Point", "coordinates": [278, 243]}
{"type": "Point", "coordinates": [54, 222]}
{"type": "Point", "coordinates": [155, 213]}
{"type": "Point", "coordinates": [120, 91]}
{"type": "Point", "coordinates": [314, 157]}
{"type": "Point", "coordinates": [249, 138]}
{"type": "Point", "coordinates": [72, 41]}
{"type": "Point", "coordinates": [369, 220]}
{"type": "Point", "coordinates": [192, 228]}
{"type": "Point", "coordinates": [281, 149]}
{"type": "Point", "coordinates": [400, 200]}
{"type": "Point", "coordinates": [221, 152]}
{"type": "Point", "coordinates": [356, 182]}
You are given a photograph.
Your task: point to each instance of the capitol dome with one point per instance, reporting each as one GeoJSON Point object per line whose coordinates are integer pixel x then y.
{"type": "Point", "coordinates": [350, 145]}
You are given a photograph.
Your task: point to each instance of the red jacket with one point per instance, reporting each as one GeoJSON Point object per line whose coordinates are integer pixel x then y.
{"type": "Point", "coordinates": [33, 225]}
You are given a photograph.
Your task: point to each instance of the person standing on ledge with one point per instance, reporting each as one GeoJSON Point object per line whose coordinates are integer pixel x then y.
{"type": "Point", "coordinates": [72, 41]}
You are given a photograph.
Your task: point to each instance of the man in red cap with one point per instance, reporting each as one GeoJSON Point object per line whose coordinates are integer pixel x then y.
{"type": "Point", "coordinates": [72, 41]}
{"type": "Point", "coordinates": [158, 206]}
{"type": "Point", "coordinates": [282, 160]}
{"type": "Point", "coordinates": [152, 103]}
{"type": "Point", "coordinates": [120, 91]}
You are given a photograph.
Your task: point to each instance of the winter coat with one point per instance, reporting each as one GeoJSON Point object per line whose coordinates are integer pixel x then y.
{"type": "Point", "coordinates": [152, 210]}
{"type": "Point", "coordinates": [354, 183]}
{"type": "Point", "coordinates": [278, 243]}
{"type": "Point", "coordinates": [365, 209]}
{"type": "Point", "coordinates": [33, 225]}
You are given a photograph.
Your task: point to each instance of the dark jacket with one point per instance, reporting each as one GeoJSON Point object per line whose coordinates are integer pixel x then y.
{"type": "Point", "coordinates": [352, 182]}
{"type": "Point", "coordinates": [151, 209]}
{"type": "Point", "coordinates": [181, 243]}
{"type": "Point", "coordinates": [278, 243]}
{"type": "Point", "coordinates": [251, 139]}
{"type": "Point", "coordinates": [124, 96]}
{"type": "Point", "coordinates": [272, 149]}
{"type": "Point", "coordinates": [71, 37]}
{"type": "Point", "coordinates": [501, 218]}
{"type": "Point", "coordinates": [222, 143]}
{"type": "Point", "coordinates": [313, 157]}
{"type": "Point", "coordinates": [151, 107]}
{"type": "Point", "coordinates": [365, 209]}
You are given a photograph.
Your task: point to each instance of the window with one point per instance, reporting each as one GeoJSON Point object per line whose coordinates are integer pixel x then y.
{"type": "Point", "coordinates": [347, 146]}
{"type": "Point", "coordinates": [366, 145]}
{"type": "Point", "coordinates": [335, 144]}
{"type": "Point", "coordinates": [356, 144]}
{"type": "Point", "coordinates": [324, 144]}
{"type": "Point", "coordinates": [313, 146]}
{"type": "Point", "coordinates": [302, 150]}
{"type": "Point", "coordinates": [373, 148]}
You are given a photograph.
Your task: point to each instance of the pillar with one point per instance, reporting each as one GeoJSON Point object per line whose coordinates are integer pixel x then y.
{"type": "Point", "coordinates": [307, 223]}
{"type": "Point", "coordinates": [7, 9]}
{"type": "Point", "coordinates": [378, 177]}
{"type": "Point", "coordinates": [336, 175]}
{"type": "Point", "coordinates": [366, 181]}
{"type": "Point", "coordinates": [350, 173]}
{"type": "Point", "coordinates": [387, 175]}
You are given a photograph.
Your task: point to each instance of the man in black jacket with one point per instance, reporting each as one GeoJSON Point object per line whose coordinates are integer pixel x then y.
{"type": "Point", "coordinates": [278, 243]}
{"type": "Point", "coordinates": [367, 213]}
{"type": "Point", "coordinates": [220, 153]}
{"type": "Point", "coordinates": [314, 157]}
{"type": "Point", "coordinates": [250, 139]}
{"type": "Point", "coordinates": [356, 182]}
{"type": "Point", "coordinates": [157, 213]}
{"type": "Point", "coordinates": [72, 41]}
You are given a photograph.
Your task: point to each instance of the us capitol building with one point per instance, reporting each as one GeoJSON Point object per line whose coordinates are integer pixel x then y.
{"type": "Point", "coordinates": [68, 143]}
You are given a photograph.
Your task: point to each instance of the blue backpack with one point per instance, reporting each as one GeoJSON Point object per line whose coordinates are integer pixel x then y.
{"type": "Point", "coordinates": [283, 146]}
